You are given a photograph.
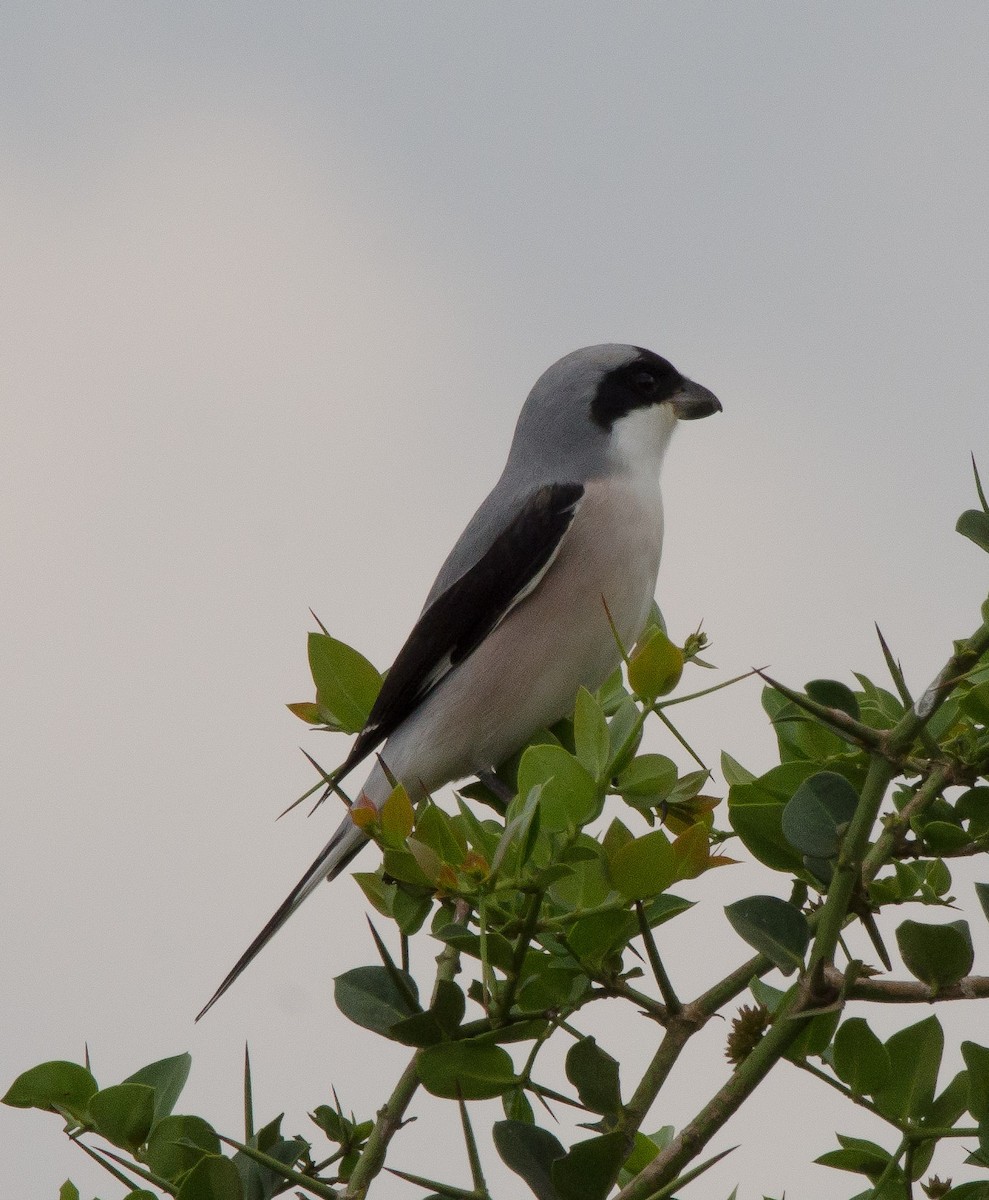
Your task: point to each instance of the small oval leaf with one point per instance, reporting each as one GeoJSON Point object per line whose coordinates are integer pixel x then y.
{"type": "Point", "coordinates": [468, 1069]}
{"type": "Point", "coordinates": [589, 1169]}
{"type": "Point", "coordinates": [594, 1073]}
{"type": "Point", "coordinates": [370, 997]}
{"type": "Point", "coordinates": [346, 683]}
{"type": "Point", "coordinates": [569, 797]}
{"type": "Point", "coordinates": [938, 955]}
{"type": "Point", "coordinates": [52, 1086]}
{"type": "Point", "coordinates": [817, 813]}
{"type": "Point", "coordinates": [645, 866]}
{"type": "Point", "coordinates": [177, 1143]}
{"type": "Point", "coordinates": [860, 1058]}
{"type": "Point", "coordinates": [833, 694]}
{"type": "Point", "coordinates": [974, 525]}
{"type": "Point", "coordinates": [530, 1152]}
{"type": "Point", "coordinates": [773, 927]}
{"type": "Point", "coordinates": [123, 1114]}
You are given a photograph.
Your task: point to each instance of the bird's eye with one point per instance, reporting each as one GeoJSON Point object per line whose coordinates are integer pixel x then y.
{"type": "Point", "coordinates": [644, 381]}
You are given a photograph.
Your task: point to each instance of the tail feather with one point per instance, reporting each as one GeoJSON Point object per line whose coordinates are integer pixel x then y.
{"type": "Point", "coordinates": [333, 858]}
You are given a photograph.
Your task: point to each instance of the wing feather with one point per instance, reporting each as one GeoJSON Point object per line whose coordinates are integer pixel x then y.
{"type": "Point", "coordinates": [461, 617]}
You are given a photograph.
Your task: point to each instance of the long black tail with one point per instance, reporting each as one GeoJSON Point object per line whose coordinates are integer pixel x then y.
{"type": "Point", "coordinates": [333, 858]}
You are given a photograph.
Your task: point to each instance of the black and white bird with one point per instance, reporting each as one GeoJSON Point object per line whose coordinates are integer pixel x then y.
{"type": "Point", "coordinates": [519, 617]}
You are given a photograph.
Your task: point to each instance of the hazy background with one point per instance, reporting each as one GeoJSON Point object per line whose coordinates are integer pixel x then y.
{"type": "Point", "coordinates": [275, 282]}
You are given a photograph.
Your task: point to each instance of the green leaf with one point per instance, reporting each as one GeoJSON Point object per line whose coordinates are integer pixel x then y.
{"type": "Point", "coordinates": [483, 837]}
{"type": "Point", "coordinates": [468, 1069]}
{"type": "Point", "coordinates": [858, 1156]}
{"type": "Point", "coordinates": [817, 814]}
{"type": "Point", "coordinates": [973, 806]}
{"type": "Point", "coordinates": [260, 1182]}
{"type": "Point", "coordinates": [517, 1107]}
{"type": "Point", "coordinates": [974, 525]}
{"type": "Point", "coordinates": [612, 693]}
{"type": "Point", "coordinates": [396, 816]}
{"type": "Point", "coordinates": [974, 703]}
{"type": "Point", "coordinates": [645, 1149]}
{"type": "Point", "coordinates": [212, 1178]}
{"type": "Point", "coordinates": [938, 955]}
{"type": "Point", "coordinates": [977, 1061]}
{"type": "Point", "coordinates": [942, 1114]}
{"type": "Point", "coordinates": [937, 877]}
{"type": "Point", "coordinates": [655, 666]}
{"type": "Point", "coordinates": [590, 731]}
{"type": "Point", "coordinates": [402, 864]}
{"type": "Point", "coordinates": [518, 1031]}
{"type": "Point", "coordinates": [346, 683]}
{"type": "Point", "coordinates": [599, 935]}
{"type": "Point", "coordinates": [800, 737]}
{"type": "Point", "coordinates": [766, 995]}
{"type": "Point", "coordinates": [168, 1077]}
{"type": "Point", "coordinates": [52, 1086]}
{"type": "Point", "coordinates": [644, 867]}
{"type": "Point", "coordinates": [976, 1190]}
{"type": "Point", "coordinates": [410, 908]}
{"type": "Point", "coordinates": [439, 831]}
{"type": "Point", "coordinates": [68, 1191]}
{"type": "Point", "coordinates": [530, 1152]}
{"type": "Point", "coordinates": [755, 812]}
{"type": "Point", "coordinates": [733, 770]}
{"type": "Point", "coordinates": [833, 694]}
{"type": "Point", "coordinates": [649, 777]}
{"type": "Point", "coordinates": [664, 908]}
{"type": "Point", "coordinates": [880, 708]}
{"type": "Point", "coordinates": [499, 950]}
{"type": "Point", "coordinates": [177, 1143]}
{"type": "Point", "coordinates": [439, 1023]}
{"type": "Point", "coordinates": [860, 1058]}
{"type": "Point", "coordinates": [371, 998]}
{"type": "Point", "coordinates": [569, 797]}
{"type": "Point", "coordinates": [815, 1037]}
{"type": "Point", "coordinates": [588, 1171]}
{"type": "Point", "coordinates": [521, 829]}
{"type": "Point", "coordinates": [419, 1030]}
{"type": "Point", "coordinates": [915, 1057]}
{"type": "Point", "coordinates": [772, 926]}
{"type": "Point", "coordinates": [378, 893]}
{"type": "Point", "coordinates": [586, 882]}
{"type": "Point", "coordinates": [616, 835]}
{"type": "Point", "coordinates": [594, 1073]}
{"type": "Point", "coordinates": [942, 837]}
{"type": "Point", "coordinates": [624, 734]}
{"type": "Point", "coordinates": [982, 891]}
{"type": "Point", "coordinates": [549, 986]}
{"type": "Point", "coordinates": [448, 1005]}
{"type": "Point", "coordinates": [124, 1114]}
{"type": "Point", "coordinates": [307, 711]}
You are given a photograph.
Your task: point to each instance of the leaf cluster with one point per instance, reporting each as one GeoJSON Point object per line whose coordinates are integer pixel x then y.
{"type": "Point", "coordinates": [546, 889]}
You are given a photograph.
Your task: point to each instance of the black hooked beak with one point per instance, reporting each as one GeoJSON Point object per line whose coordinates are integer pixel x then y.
{"type": "Point", "coordinates": [692, 401]}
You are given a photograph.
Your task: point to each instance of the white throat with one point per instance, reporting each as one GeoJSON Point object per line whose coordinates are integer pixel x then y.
{"type": "Point", "coordinates": [639, 441]}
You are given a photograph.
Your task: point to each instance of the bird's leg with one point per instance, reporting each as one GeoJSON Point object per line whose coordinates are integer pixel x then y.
{"type": "Point", "coordinates": [496, 785]}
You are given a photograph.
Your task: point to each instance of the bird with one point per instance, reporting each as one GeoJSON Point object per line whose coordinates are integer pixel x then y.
{"type": "Point", "coordinates": [562, 556]}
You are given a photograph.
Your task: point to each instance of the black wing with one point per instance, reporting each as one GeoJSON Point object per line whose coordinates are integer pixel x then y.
{"type": "Point", "coordinates": [460, 618]}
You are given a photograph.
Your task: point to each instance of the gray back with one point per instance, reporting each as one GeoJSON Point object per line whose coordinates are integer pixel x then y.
{"type": "Point", "coordinates": [555, 441]}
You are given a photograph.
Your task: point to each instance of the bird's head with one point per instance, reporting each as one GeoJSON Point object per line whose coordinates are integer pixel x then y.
{"type": "Point", "coordinates": [606, 409]}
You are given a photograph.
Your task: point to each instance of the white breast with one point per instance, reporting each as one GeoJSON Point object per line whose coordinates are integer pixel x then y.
{"type": "Point", "coordinates": [526, 673]}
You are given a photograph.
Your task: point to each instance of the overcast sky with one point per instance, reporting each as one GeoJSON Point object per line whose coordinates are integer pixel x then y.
{"type": "Point", "coordinates": [276, 280]}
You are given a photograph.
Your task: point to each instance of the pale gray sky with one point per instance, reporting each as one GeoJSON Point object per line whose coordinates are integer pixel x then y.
{"type": "Point", "coordinates": [276, 279]}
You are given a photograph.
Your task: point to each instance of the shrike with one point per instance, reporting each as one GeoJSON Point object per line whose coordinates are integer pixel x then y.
{"type": "Point", "coordinates": [518, 618]}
